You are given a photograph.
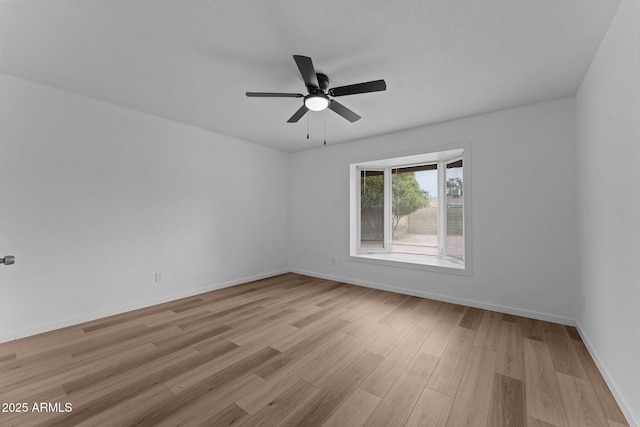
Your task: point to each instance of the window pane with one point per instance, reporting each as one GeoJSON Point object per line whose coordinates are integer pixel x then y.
{"type": "Point", "coordinates": [414, 210]}
{"type": "Point", "coordinates": [371, 210]}
{"type": "Point", "coordinates": [455, 209]}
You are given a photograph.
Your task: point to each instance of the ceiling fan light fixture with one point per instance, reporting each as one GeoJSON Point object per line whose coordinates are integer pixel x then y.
{"type": "Point", "coordinates": [316, 102]}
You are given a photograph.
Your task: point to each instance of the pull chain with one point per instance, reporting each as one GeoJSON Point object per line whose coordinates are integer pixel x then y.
{"type": "Point", "coordinates": [308, 114]}
{"type": "Point", "coordinates": [325, 127]}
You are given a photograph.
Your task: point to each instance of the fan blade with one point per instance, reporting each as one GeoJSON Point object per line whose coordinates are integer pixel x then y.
{"type": "Point", "coordinates": [298, 114]}
{"type": "Point", "coordinates": [274, 95]}
{"type": "Point", "coordinates": [343, 111]}
{"type": "Point", "coordinates": [373, 86]}
{"type": "Point", "coordinates": [305, 65]}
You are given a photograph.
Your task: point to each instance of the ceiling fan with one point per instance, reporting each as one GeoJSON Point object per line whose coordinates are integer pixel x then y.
{"type": "Point", "coordinates": [318, 97]}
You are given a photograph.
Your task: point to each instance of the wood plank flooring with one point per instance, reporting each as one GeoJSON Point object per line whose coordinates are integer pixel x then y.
{"type": "Point", "coordinates": [294, 350]}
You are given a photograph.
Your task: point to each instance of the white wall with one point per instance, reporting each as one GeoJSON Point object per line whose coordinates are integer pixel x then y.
{"type": "Point", "coordinates": [523, 177]}
{"type": "Point", "coordinates": [95, 198]}
{"type": "Point", "coordinates": [608, 119]}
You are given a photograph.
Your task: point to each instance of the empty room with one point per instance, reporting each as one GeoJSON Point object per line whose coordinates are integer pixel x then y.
{"type": "Point", "coordinates": [357, 213]}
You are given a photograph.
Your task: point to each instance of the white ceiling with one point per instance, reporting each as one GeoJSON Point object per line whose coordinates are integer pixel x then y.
{"type": "Point", "coordinates": [192, 61]}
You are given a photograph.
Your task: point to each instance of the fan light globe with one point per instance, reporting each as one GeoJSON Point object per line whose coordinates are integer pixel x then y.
{"type": "Point", "coordinates": [316, 103]}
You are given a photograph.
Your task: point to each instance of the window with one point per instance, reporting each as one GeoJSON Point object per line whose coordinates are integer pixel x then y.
{"type": "Point", "coordinates": [411, 210]}
{"type": "Point", "coordinates": [372, 209]}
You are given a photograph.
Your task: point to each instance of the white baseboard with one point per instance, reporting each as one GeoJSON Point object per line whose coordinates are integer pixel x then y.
{"type": "Point", "coordinates": [454, 300]}
{"type": "Point", "coordinates": [130, 307]}
{"type": "Point", "coordinates": [634, 421]}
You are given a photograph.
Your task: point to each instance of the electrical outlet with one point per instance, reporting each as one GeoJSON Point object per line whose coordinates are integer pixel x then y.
{"type": "Point", "coordinates": [158, 277]}
{"type": "Point", "coordinates": [333, 261]}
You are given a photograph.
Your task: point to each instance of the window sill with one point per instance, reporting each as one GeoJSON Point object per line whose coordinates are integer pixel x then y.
{"type": "Point", "coordinates": [412, 261]}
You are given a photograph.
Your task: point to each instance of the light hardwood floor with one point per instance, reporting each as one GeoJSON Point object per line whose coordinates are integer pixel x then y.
{"type": "Point", "coordinates": [294, 350]}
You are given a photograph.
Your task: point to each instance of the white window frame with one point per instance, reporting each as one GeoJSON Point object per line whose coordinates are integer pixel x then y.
{"type": "Point", "coordinates": [441, 263]}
